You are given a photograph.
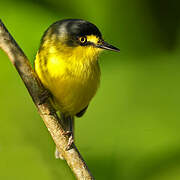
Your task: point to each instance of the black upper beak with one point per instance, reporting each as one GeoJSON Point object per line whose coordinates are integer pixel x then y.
{"type": "Point", "coordinates": [105, 45]}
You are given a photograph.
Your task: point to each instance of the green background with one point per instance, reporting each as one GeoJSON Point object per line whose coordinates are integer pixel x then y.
{"type": "Point", "coordinates": [131, 130]}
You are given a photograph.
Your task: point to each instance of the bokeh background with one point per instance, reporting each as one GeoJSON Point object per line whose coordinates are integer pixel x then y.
{"type": "Point", "coordinates": [131, 130]}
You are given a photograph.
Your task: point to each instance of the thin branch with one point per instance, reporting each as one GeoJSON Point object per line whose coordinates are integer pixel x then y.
{"type": "Point", "coordinates": [46, 111]}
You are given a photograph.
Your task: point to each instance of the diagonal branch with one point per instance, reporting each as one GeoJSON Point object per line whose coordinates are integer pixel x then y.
{"type": "Point", "coordinates": [46, 111]}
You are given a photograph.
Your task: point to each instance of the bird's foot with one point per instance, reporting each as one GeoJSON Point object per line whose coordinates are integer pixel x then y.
{"type": "Point", "coordinates": [70, 140]}
{"type": "Point", "coordinates": [67, 133]}
{"type": "Point", "coordinates": [68, 147]}
{"type": "Point", "coordinates": [70, 143]}
{"type": "Point", "coordinates": [44, 96]}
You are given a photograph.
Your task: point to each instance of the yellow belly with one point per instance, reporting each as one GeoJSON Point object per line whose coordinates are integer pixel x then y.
{"type": "Point", "coordinates": [72, 85]}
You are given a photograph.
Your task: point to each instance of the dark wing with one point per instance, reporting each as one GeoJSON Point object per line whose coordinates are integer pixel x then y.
{"type": "Point", "coordinates": [80, 114]}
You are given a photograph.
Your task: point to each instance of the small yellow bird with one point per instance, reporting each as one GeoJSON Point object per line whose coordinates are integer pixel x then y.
{"type": "Point", "coordinates": [67, 65]}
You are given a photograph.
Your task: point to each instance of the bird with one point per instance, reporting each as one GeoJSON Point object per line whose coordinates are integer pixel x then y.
{"type": "Point", "coordinates": [67, 66]}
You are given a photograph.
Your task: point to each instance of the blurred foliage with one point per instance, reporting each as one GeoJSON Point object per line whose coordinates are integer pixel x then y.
{"type": "Point", "coordinates": [131, 130]}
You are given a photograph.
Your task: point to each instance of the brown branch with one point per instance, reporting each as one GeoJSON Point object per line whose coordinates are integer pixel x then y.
{"type": "Point", "coordinates": [46, 111]}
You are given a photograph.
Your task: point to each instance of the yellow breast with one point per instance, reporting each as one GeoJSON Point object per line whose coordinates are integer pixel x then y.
{"type": "Point", "coordinates": [73, 80]}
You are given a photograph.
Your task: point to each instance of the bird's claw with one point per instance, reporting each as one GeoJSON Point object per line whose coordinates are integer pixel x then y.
{"type": "Point", "coordinates": [68, 133]}
{"type": "Point", "coordinates": [70, 140]}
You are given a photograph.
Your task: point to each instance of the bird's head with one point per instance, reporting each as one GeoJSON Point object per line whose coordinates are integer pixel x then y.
{"type": "Point", "coordinates": [74, 38]}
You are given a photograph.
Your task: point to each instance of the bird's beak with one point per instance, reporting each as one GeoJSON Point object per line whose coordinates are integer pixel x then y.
{"type": "Point", "coordinates": [105, 45]}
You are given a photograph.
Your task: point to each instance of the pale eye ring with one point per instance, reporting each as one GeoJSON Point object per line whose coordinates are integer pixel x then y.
{"type": "Point", "coordinates": [82, 39]}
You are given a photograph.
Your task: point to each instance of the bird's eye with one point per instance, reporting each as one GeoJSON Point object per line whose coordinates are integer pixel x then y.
{"type": "Point", "coordinates": [100, 41]}
{"type": "Point", "coordinates": [83, 39]}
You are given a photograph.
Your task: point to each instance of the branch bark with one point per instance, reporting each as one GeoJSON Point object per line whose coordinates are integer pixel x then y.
{"type": "Point", "coordinates": [46, 111]}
